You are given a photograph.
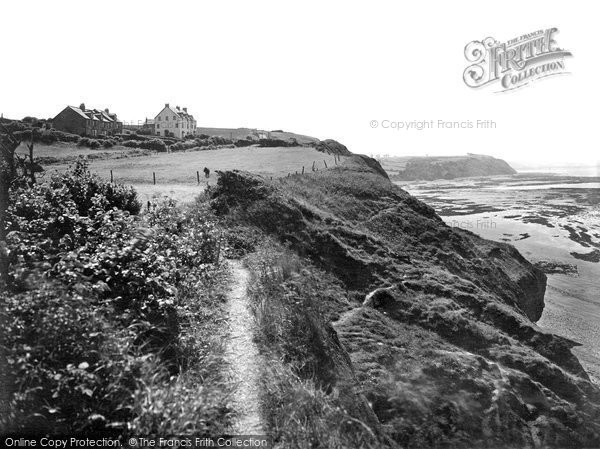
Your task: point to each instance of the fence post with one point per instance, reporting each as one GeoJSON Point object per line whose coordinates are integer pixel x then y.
{"type": "Point", "coordinates": [303, 169]}
{"type": "Point", "coordinates": [325, 163]}
{"type": "Point", "coordinates": [198, 176]}
{"type": "Point", "coordinates": [111, 177]}
{"type": "Point", "coordinates": [154, 178]}
{"type": "Point", "coordinates": [313, 167]}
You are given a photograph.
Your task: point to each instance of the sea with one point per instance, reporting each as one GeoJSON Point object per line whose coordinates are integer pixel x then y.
{"type": "Point", "coordinates": [552, 216]}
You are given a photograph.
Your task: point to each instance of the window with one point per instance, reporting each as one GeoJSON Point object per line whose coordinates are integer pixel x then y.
{"type": "Point", "coordinates": [157, 126]}
{"type": "Point", "coordinates": [174, 118]}
{"type": "Point", "coordinates": [167, 118]}
{"type": "Point", "coordinates": [159, 118]}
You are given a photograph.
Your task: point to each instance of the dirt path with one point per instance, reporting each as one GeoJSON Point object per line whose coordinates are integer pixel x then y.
{"type": "Point", "coordinates": [242, 356]}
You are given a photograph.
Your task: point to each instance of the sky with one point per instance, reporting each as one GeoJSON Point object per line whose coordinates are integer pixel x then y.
{"type": "Point", "coordinates": [325, 69]}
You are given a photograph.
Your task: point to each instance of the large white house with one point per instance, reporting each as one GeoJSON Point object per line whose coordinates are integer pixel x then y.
{"type": "Point", "coordinates": [174, 122]}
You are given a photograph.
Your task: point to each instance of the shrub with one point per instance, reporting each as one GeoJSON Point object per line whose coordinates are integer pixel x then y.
{"type": "Point", "coordinates": [176, 147]}
{"type": "Point", "coordinates": [93, 311]}
{"type": "Point", "coordinates": [66, 137]}
{"type": "Point", "coordinates": [68, 388]}
{"type": "Point", "coordinates": [274, 143]}
{"type": "Point", "coordinates": [90, 143]}
{"type": "Point", "coordinates": [244, 142]}
{"type": "Point", "coordinates": [153, 144]}
{"type": "Point", "coordinates": [84, 142]}
{"type": "Point", "coordinates": [47, 136]}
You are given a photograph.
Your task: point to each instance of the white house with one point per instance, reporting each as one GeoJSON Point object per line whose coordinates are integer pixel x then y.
{"type": "Point", "coordinates": [174, 122]}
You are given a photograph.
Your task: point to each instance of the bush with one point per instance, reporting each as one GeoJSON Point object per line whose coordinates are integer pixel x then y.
{"type": "Point", "coordinates": [94, 307]}
{"type": "Point", "coordinates": [153, 144]}
{"type": "Point", "coordinates": [244, 142]}
{"type": "Point", "coordinates": [90, 143]}
{"type": "Point", "coordinates": [66, 137]}
{"type": "Point", "coordinates": [274, 143]}
{"type": "Point", "coordinates": [45, 136]}
{"type": "Point", "coordinates": [182, 146]}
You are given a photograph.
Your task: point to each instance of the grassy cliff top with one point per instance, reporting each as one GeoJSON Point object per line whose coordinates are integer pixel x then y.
{"type": "Point", "coordinates": [438, 323]}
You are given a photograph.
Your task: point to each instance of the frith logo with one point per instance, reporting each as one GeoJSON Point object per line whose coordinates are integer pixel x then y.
{"type": "Point", "coordinates": [514, 63]}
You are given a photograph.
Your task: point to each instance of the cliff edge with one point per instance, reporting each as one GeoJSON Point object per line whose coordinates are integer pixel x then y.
{"type": "Point", "coordinates": [438, 323]}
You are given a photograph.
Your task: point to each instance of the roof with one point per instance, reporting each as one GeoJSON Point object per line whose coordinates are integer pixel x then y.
{"type": "Point", "coordinates": [94, 114]}
{"type": "Point", "coordinates": [180, 113]}
{"type": "Point", "coordinates": [79, 111]}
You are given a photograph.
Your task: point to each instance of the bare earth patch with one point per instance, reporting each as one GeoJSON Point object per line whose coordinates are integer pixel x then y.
{"type": "Point", "coordinates": [242, 356]}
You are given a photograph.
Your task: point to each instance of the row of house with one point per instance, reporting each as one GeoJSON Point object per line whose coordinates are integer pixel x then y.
{"type": "Point", "coordinates": [89, 122]}
{"type": "Point", "coordinates": [169, 122]}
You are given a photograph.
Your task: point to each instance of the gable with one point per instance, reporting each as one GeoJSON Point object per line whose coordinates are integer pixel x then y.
{"type": "Point", "coordinates": [169, 111]}
{"type": "Point", "coordinates": [70, 112]}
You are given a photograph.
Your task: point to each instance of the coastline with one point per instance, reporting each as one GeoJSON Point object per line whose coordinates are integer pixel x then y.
{"type": "Point", "coordinates": [554, 221]}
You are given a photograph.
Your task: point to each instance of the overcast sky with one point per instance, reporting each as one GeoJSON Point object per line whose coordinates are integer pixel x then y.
{"type": "Point", "coordinates": [326, 69]}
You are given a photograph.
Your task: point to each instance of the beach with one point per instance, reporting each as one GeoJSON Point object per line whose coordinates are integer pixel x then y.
{"type": "Point", "coordinates": [554, 221]}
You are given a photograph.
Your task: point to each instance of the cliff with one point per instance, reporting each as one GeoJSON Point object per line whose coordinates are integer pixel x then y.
{"type": "Point", "coordinates": [430, 168]}
{"type": "Point", "coordinates": [438, 324]}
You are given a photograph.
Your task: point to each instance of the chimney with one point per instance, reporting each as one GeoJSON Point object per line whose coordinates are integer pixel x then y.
{"type": "Point", "coordinates": [82, 106]}
{"type": "Point", "coordinates": [107, 111]}
{"type": "Point", "coordinates": [166, 105]}
{"type": "Point", "coordinates": [185, 110]}
{"type": "Point", "coordinates": [177, 107]}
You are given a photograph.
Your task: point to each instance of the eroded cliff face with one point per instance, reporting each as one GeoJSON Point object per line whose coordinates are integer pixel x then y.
{"type": "Point", "coordinates": [447, 352]}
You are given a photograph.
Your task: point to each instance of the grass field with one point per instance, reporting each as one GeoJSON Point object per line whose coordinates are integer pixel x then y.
{"type": "Point", "coordinates": [176, 172]}
{"type": "Point", "coordinates": [242, 133]}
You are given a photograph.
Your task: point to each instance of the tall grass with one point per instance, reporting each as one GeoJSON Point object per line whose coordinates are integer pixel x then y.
{"type": "Point", "coordinates": [300, 396]}
{"type": "Point", "coordinates": [302, 415]}
{"type": "Point", "coordinates": [193, 403]}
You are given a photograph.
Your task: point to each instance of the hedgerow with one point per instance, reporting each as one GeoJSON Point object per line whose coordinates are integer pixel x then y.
{"type": "Point", "coordinates": [152, 144]}
{"type": "Point", "coordinates": [96, 303]}
{"type": "Point", "coordinates": [45, 136]}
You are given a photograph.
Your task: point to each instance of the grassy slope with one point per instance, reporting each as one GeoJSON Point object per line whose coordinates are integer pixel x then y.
{"type": "Point", "coordinates": [176, 172]}
{"type": "Point", "coordinates": [242, 133]}
{"type": "Point", "coordinates": [448, 356]}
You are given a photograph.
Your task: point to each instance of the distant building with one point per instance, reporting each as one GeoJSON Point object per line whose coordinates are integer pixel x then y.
{"type": "Point", "coordinates": [89, 122]}
{"type": "Point", "coordinates": [149, 125]}
{"type": "Point", "coordinates": [174, 122]}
